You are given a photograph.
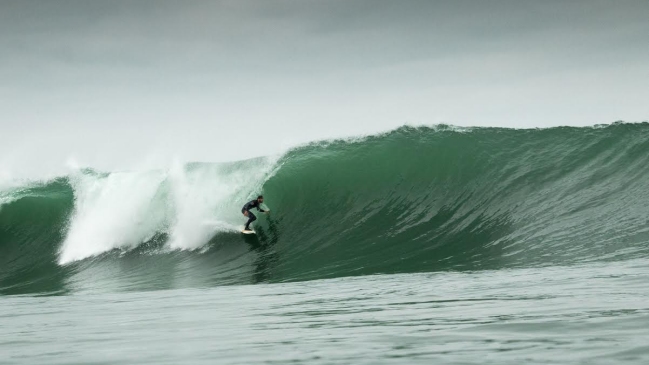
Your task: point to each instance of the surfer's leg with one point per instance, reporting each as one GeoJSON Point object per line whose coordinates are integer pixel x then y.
{"type": "Point", "coordinates": [251, 218]}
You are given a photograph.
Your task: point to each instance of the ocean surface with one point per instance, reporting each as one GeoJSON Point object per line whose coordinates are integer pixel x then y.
{"type": "Point", "coordinates": [426, 245]}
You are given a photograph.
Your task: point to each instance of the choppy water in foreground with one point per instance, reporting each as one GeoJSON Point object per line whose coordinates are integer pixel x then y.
{"type": "Point", "coordinates": [596, 313]}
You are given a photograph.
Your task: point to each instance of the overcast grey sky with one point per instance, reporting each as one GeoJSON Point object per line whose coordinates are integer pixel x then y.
{"type": "Point", "coordinates": [114, 84]}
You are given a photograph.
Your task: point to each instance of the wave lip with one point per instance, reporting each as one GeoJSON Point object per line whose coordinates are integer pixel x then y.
{"type": "Point", "coordinates": [411, 200]}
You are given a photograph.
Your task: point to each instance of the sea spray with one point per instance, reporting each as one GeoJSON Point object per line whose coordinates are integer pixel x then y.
{"type": "Point", "coordinates": [112, 211]}
{"type": "Point", "coordinates": [207, 198]}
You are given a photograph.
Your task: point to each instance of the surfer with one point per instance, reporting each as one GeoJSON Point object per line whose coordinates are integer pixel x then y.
{"type": "Point", "coordinates": [252, 204]}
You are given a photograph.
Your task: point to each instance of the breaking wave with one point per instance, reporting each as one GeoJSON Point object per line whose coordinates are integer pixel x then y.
{"type": "Point", "coordinates": [411, 200]}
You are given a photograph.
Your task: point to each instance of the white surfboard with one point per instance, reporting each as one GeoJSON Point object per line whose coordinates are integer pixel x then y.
{"type": "Point", "coordinates": [247, 232]}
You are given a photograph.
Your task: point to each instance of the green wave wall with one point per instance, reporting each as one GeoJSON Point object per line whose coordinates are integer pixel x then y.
{"type": "Point", "coordinates": [411, 200]}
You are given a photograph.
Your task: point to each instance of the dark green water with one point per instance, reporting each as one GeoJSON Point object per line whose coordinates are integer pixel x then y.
{"type": "Point", "coordinates": [430, 245]}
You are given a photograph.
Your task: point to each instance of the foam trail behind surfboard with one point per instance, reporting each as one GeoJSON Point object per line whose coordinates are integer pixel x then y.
{"type": "Point", "coordinates": [221, 226]}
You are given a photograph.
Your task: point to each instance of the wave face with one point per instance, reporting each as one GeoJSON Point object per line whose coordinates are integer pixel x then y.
{"type": "Point", "coordinates": [411, 200]}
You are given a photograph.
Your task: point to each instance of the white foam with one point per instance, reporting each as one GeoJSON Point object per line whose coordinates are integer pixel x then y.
{"type": "Point", "coordinates": [189, 202]}
{"type": "Point", "coordinates": [114, 211]}
{"type": "Point", "coordinates": [212, 193]}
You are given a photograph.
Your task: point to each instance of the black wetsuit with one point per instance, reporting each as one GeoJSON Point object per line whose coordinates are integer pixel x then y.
{"type": "Point", "coordinates": [251, 217]}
